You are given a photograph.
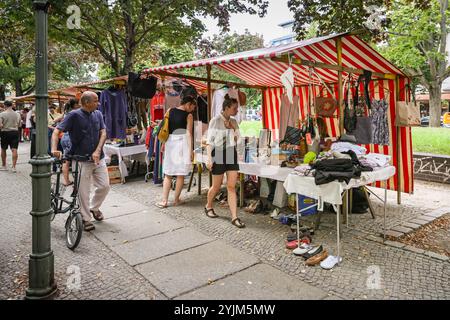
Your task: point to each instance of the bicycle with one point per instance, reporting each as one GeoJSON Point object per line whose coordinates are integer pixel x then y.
{"type": "Point", "coordinates": [74, 222]}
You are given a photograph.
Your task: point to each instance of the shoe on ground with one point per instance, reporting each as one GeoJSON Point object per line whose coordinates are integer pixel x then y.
{"type": "Point", "coordinates": [294, 244]}
{"type": "Point", "coordinates": [314, 251]}
{"type": "Point", "coordinates": [275, 213]}
{"type": "Point", "coordinates": [304, 248]}
{"type": "Point", "coordinates": [88, 226]}
{"type": "Point", "coordinates": [3, 169]}
{"type": "Point", "coordinates": [315, 260]}
{"type": "Point", "coordinates": [330, 262]}
{"type": "Point", "coordinates": [13, 170]}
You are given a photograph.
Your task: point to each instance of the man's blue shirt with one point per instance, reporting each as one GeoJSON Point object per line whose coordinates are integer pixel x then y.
{"type": "Point", "coordinates": [84, 131]}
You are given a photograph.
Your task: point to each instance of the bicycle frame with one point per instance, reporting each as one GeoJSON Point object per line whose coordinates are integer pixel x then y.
{"type": "Point", "coordinates": [57, 200]}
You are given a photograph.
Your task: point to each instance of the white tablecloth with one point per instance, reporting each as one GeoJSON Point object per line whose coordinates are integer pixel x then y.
{"type": "Point", "coordinates": [332, 192]}
{"type": "Point", "coordinates": [256, 169]}
{"type": "Point", "coordinates": [124, 152]}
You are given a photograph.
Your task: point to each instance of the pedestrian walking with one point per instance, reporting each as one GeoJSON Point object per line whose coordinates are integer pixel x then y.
{"type": "Point", "coordinates": [222, 139]}
{"type": "Point", "coordinates": [10, 122]}
{"type": "Point", "coordinates": [87, 133]}
{"type": "Point", "coordinates": [178, 152]}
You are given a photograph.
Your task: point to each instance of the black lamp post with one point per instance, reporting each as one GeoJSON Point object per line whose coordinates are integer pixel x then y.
{"type": "Point", "coordinates": [42, 283]}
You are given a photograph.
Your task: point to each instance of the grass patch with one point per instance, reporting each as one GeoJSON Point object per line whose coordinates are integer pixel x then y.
{"type": "Point", "coordinates": [250, 128]}
{"type": "Point", "coordinates": [431, 140]}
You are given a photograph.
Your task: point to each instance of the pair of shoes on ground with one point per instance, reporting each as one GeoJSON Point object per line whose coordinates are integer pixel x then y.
{"type": "Point", "coordinates": [255, 206]}
{"type": "Point", "coordinates": [312, 255]}
{"type": "Point", "coordinates": [295, 243]}
{"type": "Point", "coordinates": [13, 169]}
{"type": "Point", "coordinates": [209, 212]}
{"type": "Point", "coordinates": [162, 205]}
{"type": "Point", "coordinates": [293, 235]}
{"type": "Point", "coordinates": [302, 228]}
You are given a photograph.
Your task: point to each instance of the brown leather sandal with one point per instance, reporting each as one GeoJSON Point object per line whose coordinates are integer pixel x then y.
{"type": "Point", "coordinates": [98, 215]}
{"type": "Point", "coordinates": [210, 213]}
{"type": "Point", "coordinates": [238, 223]}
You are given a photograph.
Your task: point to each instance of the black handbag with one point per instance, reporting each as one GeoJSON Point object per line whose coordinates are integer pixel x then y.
{"type": "Point", "coordinates": [141, 88]}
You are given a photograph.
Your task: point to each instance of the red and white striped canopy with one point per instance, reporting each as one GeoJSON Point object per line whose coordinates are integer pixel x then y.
{"type": "Point", "coordinates": [256, 67]}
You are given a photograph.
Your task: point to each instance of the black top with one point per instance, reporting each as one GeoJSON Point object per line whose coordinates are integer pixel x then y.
{"type": "Point", "coordinates": [177, 120]}
{"type": "Point", "coordinates": [202, 109]}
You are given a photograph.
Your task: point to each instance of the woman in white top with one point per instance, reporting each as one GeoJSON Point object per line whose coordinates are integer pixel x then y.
{"type": "Point", "coordinates": [223, 135]}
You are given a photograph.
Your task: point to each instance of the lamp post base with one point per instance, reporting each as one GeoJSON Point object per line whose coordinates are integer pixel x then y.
{"type": "Point", "coordinates": [45, 286]}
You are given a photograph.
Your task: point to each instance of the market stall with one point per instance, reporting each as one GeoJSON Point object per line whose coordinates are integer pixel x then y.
{"type": "Point", "coordinates": [294, 79]}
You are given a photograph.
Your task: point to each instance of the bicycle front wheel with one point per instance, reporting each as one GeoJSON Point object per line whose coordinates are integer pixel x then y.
{"type": "Point", "coordinates": [74, 230]}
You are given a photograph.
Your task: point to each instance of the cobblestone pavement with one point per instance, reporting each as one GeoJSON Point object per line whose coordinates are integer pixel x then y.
{"type": "Point", "coordinates": [104, 275]}
{"type": "Point", "coordinates": [370, 270]}
{"type": "Point", "coordinates": [402, 274]}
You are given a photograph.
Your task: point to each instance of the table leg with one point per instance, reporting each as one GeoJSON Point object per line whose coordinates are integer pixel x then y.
{"type": "Point", "coordinates": [372, 212]}
{"type": "Point", "coordinates": [344, 207]}
{"type": "Point", "coordinates": [385, 200]}
{"type": "Point", "coordinates": [199, 171]}
{"type": "Point", "coordinates": [350, 204]}
{"type": "Point", "coordinates": [241, 190]}
{"type": "Point", "coordinates": [317, 222]}
{"type": "Point", "coordinates": [338, 213]}
{"type": "Point", "coordinates": [191, 178]}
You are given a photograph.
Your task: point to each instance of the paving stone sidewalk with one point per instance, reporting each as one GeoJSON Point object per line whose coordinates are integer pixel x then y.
{"type": "Point", "coordinates": [141, 252]}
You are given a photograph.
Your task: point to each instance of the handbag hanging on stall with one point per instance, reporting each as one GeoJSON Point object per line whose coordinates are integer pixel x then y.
{"type": "Point", "coordinates": [363, 128]}
{"type": "Point", "coordinates": [349, 115]}
{"type": "Point", "coordinates": [407, 113]}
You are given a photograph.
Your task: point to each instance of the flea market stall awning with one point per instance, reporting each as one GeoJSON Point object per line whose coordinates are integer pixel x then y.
{"type": "Point", "coordinates": [333, 59]}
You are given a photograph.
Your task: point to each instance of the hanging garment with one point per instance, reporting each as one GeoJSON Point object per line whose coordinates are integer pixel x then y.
{"type": "Point", "coordinates": [157, 105]}
{"type": "Point", "coordinates": [289, 114]}
{"type": "Point", "coordinates": [202, 109]}
{"type": "Point", "coordinates": [287, 79]}
{"type": "Point", "coordinates": [380, 128]}
{"type": "Point", "coordinates": [217, 102]}
{"type": "Point", "coordinates": [114, 107]}
{"type": "Point", "coordinates": [241, 115]}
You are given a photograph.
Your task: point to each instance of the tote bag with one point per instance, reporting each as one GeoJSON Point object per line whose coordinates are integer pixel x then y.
{"type": "Point", "coordinates": [407, 113]}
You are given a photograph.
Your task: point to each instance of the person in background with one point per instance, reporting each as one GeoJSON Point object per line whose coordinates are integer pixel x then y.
{"type": "Point", "coordinates": [10, 123]}
{"type": "Point", "coordinates": [32, 115]}
{"type": "Point", "coordinates": [223, 136]}
{"type": "Point", "coordinates": [24, 133]}
{"type": "Point", "coordinates": [66, 145]}
{"type": "Point", "coordinates": [87, 134]}
{"type": "Point", "coordinates": [53, 118]}
{"type": "Point", "coordinates": [178, 152]}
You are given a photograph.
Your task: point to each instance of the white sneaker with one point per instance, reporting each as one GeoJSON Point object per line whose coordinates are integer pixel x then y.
{"type": "Point", "coordinates": [14, 170]}
{"type": "Point", "coordinates": [275, 213]}
{"type": "Point", "coordinates": [330, 262]}
{"type": "Point", "coordinates": [3, 169]}
{"type": "Point", "coordinates": [304, 248]}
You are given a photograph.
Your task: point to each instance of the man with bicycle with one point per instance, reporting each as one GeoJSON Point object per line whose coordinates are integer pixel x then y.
{"type": "Point", "coordinates": [87, 132]}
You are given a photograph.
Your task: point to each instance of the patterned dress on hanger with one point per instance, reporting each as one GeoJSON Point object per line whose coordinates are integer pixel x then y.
{"type": "Point", "coordinates": [380, 128]}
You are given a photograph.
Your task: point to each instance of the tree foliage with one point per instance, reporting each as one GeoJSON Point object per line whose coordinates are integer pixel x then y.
{"type": "Point", "coordinates": [417, 43]}
{"type": "Point", "coordinates": [121, 31]}
{"type": "Point", "coordinates": [333, 15]}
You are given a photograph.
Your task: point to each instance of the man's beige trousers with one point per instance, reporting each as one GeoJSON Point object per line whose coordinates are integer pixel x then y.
{"type": "Point", "coordinates": [98, 176]}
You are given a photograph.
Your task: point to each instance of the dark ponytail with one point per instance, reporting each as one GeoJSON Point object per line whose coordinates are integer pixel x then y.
{"type": "Point", "coordinates": [228, 102]}
{"type": "Point", "coordinates": [188, 99]}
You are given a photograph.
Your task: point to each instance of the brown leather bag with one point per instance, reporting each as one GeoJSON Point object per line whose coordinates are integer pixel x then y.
{"type": "Point", "coordinates": [325, 106]}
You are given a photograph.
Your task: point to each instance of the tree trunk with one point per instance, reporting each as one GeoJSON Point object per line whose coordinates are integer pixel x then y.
{"type": "Point", "coordinates": [18, 87]}
{"type": "Point", "coordinates": [435, 106]}
{"type": "Point", "coordinates": [129, 61]}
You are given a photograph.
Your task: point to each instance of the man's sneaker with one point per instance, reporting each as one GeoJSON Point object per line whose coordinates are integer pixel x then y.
{"type": "Point", "coordinates": [3, 169]}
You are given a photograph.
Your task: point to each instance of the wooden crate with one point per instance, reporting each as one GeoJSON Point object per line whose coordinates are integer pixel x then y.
{"type": "Point", "coordinates": [114, 175]}
{"type": "Point", "coordinates": [115, 180]}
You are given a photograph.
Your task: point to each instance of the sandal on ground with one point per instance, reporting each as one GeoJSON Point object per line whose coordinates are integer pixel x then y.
{"type": "Point", "coordinates": [161, 205]}
{"type": "Point", "coordinates": [88, 226]}
{"type": "Point", "coordinates": [238, 223]}
{"type": "Point", "coordinates": [98, 215]}
{"type": "Point", "coordinates": [179, 203]}
{"type": "Point", "coordinates": [210, 213]}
